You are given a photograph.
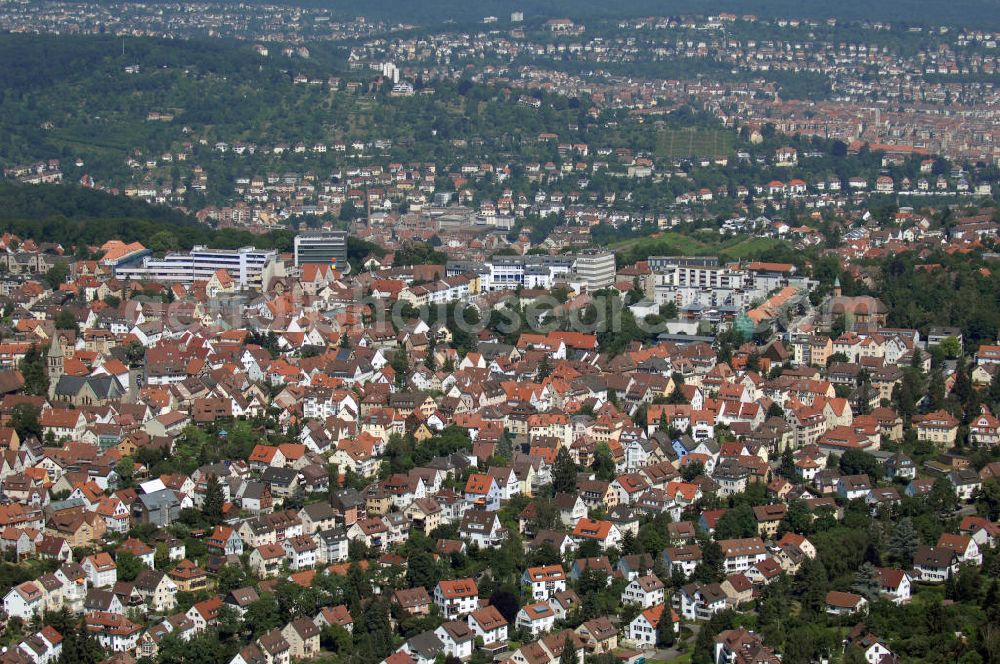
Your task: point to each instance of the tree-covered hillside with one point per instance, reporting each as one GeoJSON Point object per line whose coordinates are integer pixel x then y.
{"type": "Point", "coordinates": [73, 216]}
{"type": "Point", "coordinates": [982, 13]}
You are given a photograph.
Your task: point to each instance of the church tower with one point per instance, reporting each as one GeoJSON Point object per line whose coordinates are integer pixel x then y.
{"type": "Point", "coordinates": [55, 363]}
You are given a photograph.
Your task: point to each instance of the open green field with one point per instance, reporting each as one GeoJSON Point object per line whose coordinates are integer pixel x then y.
{"type": "Point", "coordinates": [748, 248]}
{"type": "Point", "coordinates": [665, 243]}
{"type": "Point", "coordinates": [691, 142]}
{"type": "Point", "coordinates": [708, 244]}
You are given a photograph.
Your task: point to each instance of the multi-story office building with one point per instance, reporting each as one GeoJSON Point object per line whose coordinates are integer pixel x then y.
{"type": "Point", "coordinates": [595, 269]}
{"type": "Point", "coordinates": [327, 247]}
{"type": "Point", "coordinates": [245, 265]}
{"type": "Point", "coordinates": [510, 272]}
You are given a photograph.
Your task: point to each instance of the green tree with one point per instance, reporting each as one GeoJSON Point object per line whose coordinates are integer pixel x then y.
{"type": "Point", "coordinates": [80, 647]}
{"type": "Point", "coordinates": [230, 578]}
{"type": "Point", "coordinates": [665, 636]}
{"type": "Point", "coordinates": [506, 603]}
{"type": "Point", "coordinates": [24, 420]}
{"type": "Point", "coordinates": [903, 542]}
{"type": "Point", "coordinates": [691, 470]}
{"type": "Point", "coordinates": [988, 499]}
{"type": "Point", "coordinates": [568, 655]}
{"type": "Point", "coordinates": [963, 384]}
{"type": "Point", "coordinates": [263, 615]}
{"type": "Point", "coordinates": [951, 347]}
{"type": "Point", "coordinates": [941, 498]}
{"type": "Point", "coordinates": [811, 585]}
{"type": "Point", "coordinates": [376, 628]}
{"type": "Point", "coordinates": [798, 518]}
{"type": "Point", "coordinates": [57, 275]}
{"type": "Point", "coordinates": [335, 639]}
{"type": "Point", "coordinates": [704, 645]}
{"type": "Point", "coordinates": [544, 368]}
{"type": "Point", "coordinates": [401, 365]}
{"type": "Point", "coordinates": [564, 473]}
{"type": "Point", "coordinates": [710, 569]}
{"type": "Point", "coordinates": [866, 582]}
{"type": "Point", "coordinates": [857, 462]}
{"type": "Point", "coordinates": [736, 523]}
{"type": "Point", "coordinates": [66, 320]}
{"type": "Point", "coordinates": [128, 565]}
{"type": "Point", "coordinates": [603, 464]}
{"type": "Point", "coordinates": [935, 390]}
{"type": "Point", "coordinates": [421, 570]}
{"type": "Point", "coordinates": [629, 546]}
{"type": "Point", "coordinates": [214, 500]}
{"type": "Point", "coordinates": [32, 367]}
{"type": "Point", "coordinates": [162, 242]}
{"type": "Point", "coordinates": [788, 465]}
{"type": "Point", "coordinates": [125, 469]}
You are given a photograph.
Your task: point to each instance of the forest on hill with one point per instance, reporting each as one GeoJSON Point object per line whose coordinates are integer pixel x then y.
{"type": "Point", "coordinates": [982, 13]}
{"type": "Point", "coordinates": [74, 216]}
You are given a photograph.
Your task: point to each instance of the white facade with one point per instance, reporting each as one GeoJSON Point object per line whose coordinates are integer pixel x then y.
{"type": "Point", "coordinates": [245, 265]}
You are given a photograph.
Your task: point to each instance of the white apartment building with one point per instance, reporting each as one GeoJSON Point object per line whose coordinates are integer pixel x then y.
{"type": "Point", "coordinates": [245, 265]}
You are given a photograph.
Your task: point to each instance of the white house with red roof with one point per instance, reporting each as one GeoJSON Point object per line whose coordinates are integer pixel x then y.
{"type": "Point", "coordinates": [456, 597]}
{"type": "Point", "coordinates": [605, 533]}
{"type": "Point", "coordinates": [642, 630]}
{"type": "Point", "coordinates": [965, 548]}
{"type": "Point", "coordinates": [24, 601]}
{"type": "Point", "coordinates": [489, 625]}
{"type": "Point", "coordinates": [983, 531]}
{"type": "Point", "coordinates": [984, 429]}
{"type": "Point", "coordinates": [537, 618]}
{"type": "Point", "coordinates": [894, 584]}
{"type": "Point", "coordinates": [483, 491]}
{"type": "Point", "coordinates": [544, 581]}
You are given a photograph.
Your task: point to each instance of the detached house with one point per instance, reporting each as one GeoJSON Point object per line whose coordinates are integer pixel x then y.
{"type": "Point", "coordinates": [24, 601]}
{"type": "Point", "coordinates": [699, 602]}
{"type": "Point", "coordinates": [102, 572]}
{"type": "Point", "coordinates": [157, 590]}
{"type": "Point", "coordinates": [225, 541]}
{"type": "Point", "coordinates": [455, 598]}
{"type": "Point", "coordinates": [646, 591]}
{"type": "Point", "coordinates": [842, 604]}
{"type": "Point", "coordinates": [489, 625]}
{"type": "Point", "coordinates": [740, 554]}
{"type": "Point", "coordinates": [966, 549]}
{"type": "Point", "coordinates": [545, 581]}
{"type": "Point", "coordinates": [483, 492]}
{"type": "Point", "coordinates": [599, 635]}
{"type": "Point", "coordinates": [302, 636]}
{"type": "Point", "coordinates": [537, 618]}
{"type": "Point", "coordinates": [300, 552]}
{"type": "Point", "coordinates": [266, 560]}
{"type": "Point", "coordinates": [642, 630]}
{"type": "Point", "coordinates": [605, 533]}
{"type": "Point", "coordinates": [458, 639]}
{"type": "Point", "coordinates": [894, 584]}
{"type": "Point", "coordinates": [939, 427]}
{"type": "Point", "coordinates": [935, 564]}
